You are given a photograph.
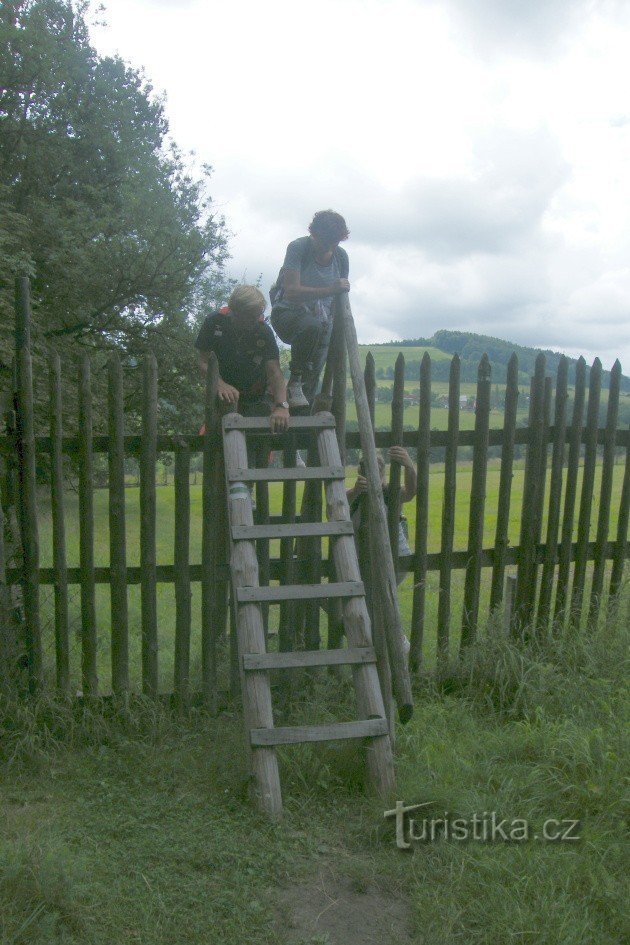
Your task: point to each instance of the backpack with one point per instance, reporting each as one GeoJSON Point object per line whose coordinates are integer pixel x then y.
{"type": "Point", "coordinates": [276, 291]}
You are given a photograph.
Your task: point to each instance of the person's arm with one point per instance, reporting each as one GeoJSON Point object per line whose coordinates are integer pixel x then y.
{"type": "Point", "coordinates": [225, 392]}
{"type": "Point", "coordinates": [279, 419]}
{"type": "Point", "coordinates": [359, 488]}
{"type": "Point", "coordinates": [398, 454]}
{"type": "Point", "coordinates": [294, 291]}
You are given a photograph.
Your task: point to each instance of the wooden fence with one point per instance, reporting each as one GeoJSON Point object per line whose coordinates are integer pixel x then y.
{"type": "Point", "coordinates": [551, 554]}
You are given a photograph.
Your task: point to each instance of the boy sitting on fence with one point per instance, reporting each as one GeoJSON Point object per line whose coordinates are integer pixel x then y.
{"type": "Point", "coordinates": [250, 378]}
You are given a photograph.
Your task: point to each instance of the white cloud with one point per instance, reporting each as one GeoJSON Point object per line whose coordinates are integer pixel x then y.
{"type": "Point", "coordinates": [479, 150]}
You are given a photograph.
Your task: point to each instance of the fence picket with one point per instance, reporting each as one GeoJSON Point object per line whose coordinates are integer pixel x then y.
{"type": "Point", "coordinates": [621, 544]}
{"type": "Point", "coordinates": [505, 484]}
{"type": "Point", "coordinates": [181, 559]}
{"type": "Point", "coordinates": [86, 533]}
{"type": "Point", "coordinates": [209, 538]}
{"type": "Point", "coordinates": [117, 531]}
{"type": "Point", "coordinates": [57, 505]}
{"type": "Point", "coordinates": [148, 586]}
{"type": "Point", "coordinates": [608, 464]}
{"type": "Point", "coordinates": [555, 493]}
{"type": "Point", "coordinates": [448, 515]}
{"type": "Point", "coordinates": [423, 447]}
{"type": "Point", "coordinates": [573, 462]}
{"type": "Point", "coordinates": [393, 499]}
{"type": "Point", "coordinates": [470, 615]}
{"type": "Point", "coordinates": [586, 497]}
{"type": "Point", "coordinates": [526, 574]}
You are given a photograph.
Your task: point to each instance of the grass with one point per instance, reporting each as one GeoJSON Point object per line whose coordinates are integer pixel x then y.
{"type": "Point", "coordinates": [137, 828]}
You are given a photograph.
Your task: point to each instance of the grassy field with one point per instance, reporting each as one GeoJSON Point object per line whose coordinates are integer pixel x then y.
{"type": "Point", "coordinates": [136, 829]}
{"type": "Point", "coordinates": [165, 533]}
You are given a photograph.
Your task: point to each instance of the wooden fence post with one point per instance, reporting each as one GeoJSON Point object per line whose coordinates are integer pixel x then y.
{"type": "Point", "coordinates": [573, 462]}
{"type": "Point", "coordinates": [621, 544]}
{"type": "Point", "coordinates": [148, 584]}
{"type": "Point", "coordinates": [209, 538]}
{"type": "Point", "coordinates": [385, 590]}
{"type": "Point", "coordinates": [470, 615]}
{"type": "Point", "coordinates": [555, 493]}
{"type": "Point", "coordinates": [501, 539]}
{"type": "Point", "coordinates": [86, 534]}
{"type": "Point", "coordinates": [393, 499]}
{"type": "Point", "coordinates": [448, 517]}
{"type": "Point", "coordinates": [182, 579]}
{"type": "Point", "coordinates": [117, 532]}
{"type": "Point", "coordinates": [423, 451]}
{"type": "Point", "coordinates": [57, 480]}
{"type": "Point", "coordinates": [586, 498]}
{"type": "Point", "coordinates": [526, 575]}
{"type": "Point", "coordinates": [608, 465]}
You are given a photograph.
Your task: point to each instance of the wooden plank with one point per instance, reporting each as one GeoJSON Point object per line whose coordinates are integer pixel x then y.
{"type": "Point", "coordinates": [472, 582]}
{"type": "Point", "coordinates": [555, 495]}
{"type": "Point", "coordinates": [505, 483]}
{"type": "Point", "coordinates": [369, 379]}
{"type": "Point", "coordinates": [526, 574]}
{"type": "Point", "coordinates": [165, 573]}
{"type": "Point", "coordinates": [57, 482]}
{"type": "Point", "coordinates": [586, 497]}
{"type": "Point", "coordinates": [212, 455]}
{"type": "Point", "coordinates": [86, 535]}
{"type": "Point", "coordinates": [544, 459]}
{"type": "Point", "coordinates": [245, 595]}
{"type": "Point", "coordinates": [573, 462]}
{"type": "Point", "coordinates": [281, 474]}
{"type": "Point", "coordinates": [384, 577]}
{"type": "Point", "coordinates": [293, 735]}
{"type": "Point", "coordinates": [148, 590]}
{"type": "Point", "coordinates": [288, 532]}
{"type": "Point", "coordinates": [234, 421]}
{"type": "Point", "coordinates": [605, 495]}
{"type": "Point", "coordinates": [393, 499]}
{"type": "Point", "coordinates": [181, 680]}
{"type": "Point", "coordinates": [117, 531]}
{"type": "Point", "coordinates": [310, 549]}
{"type": "Point", "coordinates": [448, 516]}
{"type": "Point", "coordinates": [423, 451]}
{"type": "Point", "coordinates": [256, 692]}
{"type": "Point", "coordinates": [292, 530]}
{"type": "Point", "coordinates": [301, 658]}
{"type": "Point", "coordinates": [621, 546]}
{"type": "Point", "coordinates": [382, 438]}
{"type": "Point", "coordinates": [338, 409]}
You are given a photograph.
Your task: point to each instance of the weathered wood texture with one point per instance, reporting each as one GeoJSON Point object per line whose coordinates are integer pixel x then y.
{"type": "Point", "coordinates": [385, 586]}
{"type": "Point", "coordinates": [505, 483]}
{"type": "Point", "coordinates": [586, 497]}
{"type": "Point", "coordinates": [448, 517]}
{"type": "Point", "coordinates": [117, 532]}
{"type": "Point", "coordinates": [57, 504]}
{"type": "Point", "coordinates": [181, 682]}
{"type": "Point", "coordinates": [86, 535]}
{"type": "Point", "coordinates": [209, 537]}
{"type": "Point", "coordinates": [422, 516]}
{"type": "Point", "coordinates": [472, 583]}
{"type": "Point", "coordinates": [148, 586]}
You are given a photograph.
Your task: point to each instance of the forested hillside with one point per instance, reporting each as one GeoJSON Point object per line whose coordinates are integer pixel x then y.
{"type": "Point", "coordinates": [470, 347]}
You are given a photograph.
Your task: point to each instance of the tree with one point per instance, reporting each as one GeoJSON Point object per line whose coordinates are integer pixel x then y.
{"type": "Point", "coordinates": [122, 245]}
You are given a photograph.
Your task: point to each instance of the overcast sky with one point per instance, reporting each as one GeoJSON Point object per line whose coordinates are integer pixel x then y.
{"type": "Point", "coordinates": [479, 150]}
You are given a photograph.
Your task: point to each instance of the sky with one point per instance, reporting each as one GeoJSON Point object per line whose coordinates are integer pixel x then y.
{"type": "Point", "coordinates": [478, 149]}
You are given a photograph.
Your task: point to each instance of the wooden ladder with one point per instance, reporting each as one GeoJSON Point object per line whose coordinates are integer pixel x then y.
{"type": "Point", "coordinates": [248, 596]}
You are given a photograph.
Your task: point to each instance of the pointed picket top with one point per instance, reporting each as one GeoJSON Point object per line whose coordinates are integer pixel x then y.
{"type": "Point", "coordinates": [484, 370]}
{"type": "Point", "coordinates": [616, 368]}
{"type": "Point", "coordinates": [426, 359]}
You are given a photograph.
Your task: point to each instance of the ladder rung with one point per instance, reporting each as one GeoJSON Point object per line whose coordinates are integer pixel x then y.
{"type": "Point", "coordinates": [286, 473]}
{"type": "Point", "coordinates": [255, 595]}
{"type": "Point", "coordinates": [234, 421]}
{"type": "Point", "coordinates": [293, 530]}
{"type": "Point", "coordinates": [291, 735]}
{"type": "Point", "coordinates": [298, 658]}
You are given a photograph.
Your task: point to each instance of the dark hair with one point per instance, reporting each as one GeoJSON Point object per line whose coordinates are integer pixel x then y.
{"type": "Point", "coordinates": [329, 226]}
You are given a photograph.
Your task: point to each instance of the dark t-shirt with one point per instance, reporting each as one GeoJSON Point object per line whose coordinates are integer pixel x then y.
{"type": "Point", "coordinates": [242, 354]}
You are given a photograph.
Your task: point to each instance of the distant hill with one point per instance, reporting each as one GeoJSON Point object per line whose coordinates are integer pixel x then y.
{"type": "Point", "coordinates": [471, 348]}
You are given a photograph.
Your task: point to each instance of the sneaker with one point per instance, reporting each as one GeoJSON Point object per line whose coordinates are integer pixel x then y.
{"type": "Point", "coordinates": [295, 394]}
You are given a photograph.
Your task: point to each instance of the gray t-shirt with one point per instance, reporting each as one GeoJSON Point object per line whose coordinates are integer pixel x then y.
{"type": "Point", "coordinates": [299, 256]}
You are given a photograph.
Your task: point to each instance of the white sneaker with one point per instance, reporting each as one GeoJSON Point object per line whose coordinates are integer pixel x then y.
{"type": "Point", "coordinates": [295, 394]}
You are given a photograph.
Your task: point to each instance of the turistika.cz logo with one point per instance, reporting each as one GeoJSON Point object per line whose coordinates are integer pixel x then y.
{"type": "Point", "coordinates": [487, 827]}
